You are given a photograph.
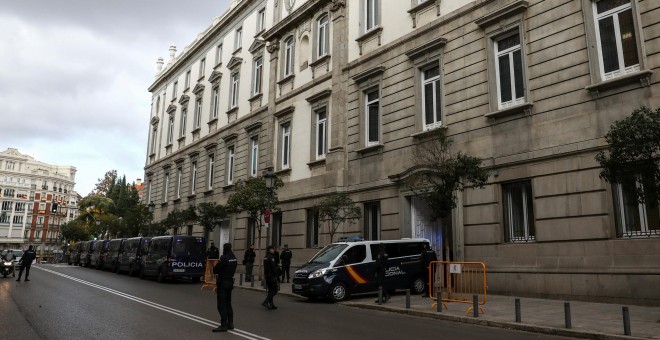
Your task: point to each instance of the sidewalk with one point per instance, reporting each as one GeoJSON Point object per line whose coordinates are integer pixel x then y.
{"type": "Point", "coordinates": [589, 319]}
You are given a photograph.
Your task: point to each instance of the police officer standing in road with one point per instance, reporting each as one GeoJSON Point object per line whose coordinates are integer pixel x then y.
{"type": "Point", "coordinates": [270, 273]}
{"type": "Point", "coordinates": [428, 256]}
{"type": "Point", "coordinates": [248, 261]}
{"type": "Point", "coordinates": [381, 266]}
{"type": "Point", "coordinates": [224, 271]}
{"type": "Point", "coordinates": [213, 253]}
{"type": "Point", "coordinates": [25, 262]}
{"type": "Point", "coordinates": [286, 262]}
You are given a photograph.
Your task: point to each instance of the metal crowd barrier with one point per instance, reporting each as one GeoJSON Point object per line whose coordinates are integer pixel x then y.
{"type": "Point", "coordinates": [209, 277]}
{"type": "Point", "coordinates": [458, 282]}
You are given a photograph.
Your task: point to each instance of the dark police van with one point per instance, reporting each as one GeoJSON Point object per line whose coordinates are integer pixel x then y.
{"type": "Point", "coordinates": [130, 260]}
{"type": "Point", "coordinates": [74, 254]}
{"type": "Point", "coordinates": [175, 256]}
{"type": "Point", "coordinates": [344, 268]}
{"type": "Point", "coordinates": [115, 247]}
{"type": "Point", "coordinates": [86, 253]}
{"type": "Point", "coordinates": [98, 254]}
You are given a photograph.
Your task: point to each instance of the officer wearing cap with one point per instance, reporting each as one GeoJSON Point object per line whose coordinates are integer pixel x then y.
{"type": "Point", "coordinates": [224, 271]}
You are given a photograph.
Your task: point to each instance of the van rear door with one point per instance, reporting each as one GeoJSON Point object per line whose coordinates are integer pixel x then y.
{"type": "Point", "coordinates": [189, 255]}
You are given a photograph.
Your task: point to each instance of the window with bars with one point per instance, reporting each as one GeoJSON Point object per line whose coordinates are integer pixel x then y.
{"type": "Point", "coordinates": [634, 217]}
{"type": "Point", "coordinates": [518, 211]}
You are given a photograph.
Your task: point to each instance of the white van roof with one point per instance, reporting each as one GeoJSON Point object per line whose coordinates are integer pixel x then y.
{"type": "Point", "coordinates": [403, 240]}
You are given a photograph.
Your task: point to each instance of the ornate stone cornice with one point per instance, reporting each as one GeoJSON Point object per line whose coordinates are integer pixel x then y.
{"type": "Point", "coordinates": [337, 5]}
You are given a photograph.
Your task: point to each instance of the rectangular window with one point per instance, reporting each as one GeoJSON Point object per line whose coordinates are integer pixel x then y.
{"type": "Point", "coordinates": [154, 133]}
{"type": "Point", "coordinates": [634, 218]}
{"type": "Point", "coordinates": [9, 165]}
{"type": "Point", "coordinates": [322, 40]}
{"type": "Point", "coordinates": [312, 228]}
{"type": "Point", "coordinates": [149, 186]}
{"type": "Point", "coordinates": [321, 122]}
{"type": "Point", "coordinates": [7, 206]}
{"type": "Point", "coordinates": [371, 14]}
{"type": "Point", "coordinates": [261, 20]}
{"type": "Point", "coordinates": [210, 172]}
{"type": "Point", "coordinates": [372, 117]}
{"type": "Point", "coordinates": [216, 101]}
{"type": "Point", "coordinates": [286, 145]}
{"type": "Point", "coordinates": [233, 93]}
{"type": "Point", "coordinates": [20, 207]}
{"type": "Point", "coordinates": [193, 180]}
{"type": "Point", "coordinates": [179, 182]}
{"type": "Point", "coordinates": [238, 43]}
{"type": "Point", "coordinates": [18, 219]}
{"type": "Point", "coordinates": [187, 79]}
{"type": "Point", "coordinates": [254, 156]}
{"type": "Point", "coordinates": [174, 94]}
{"type": "Point", "coordinates": [4, 218]}
{"type": "Point", "coordinates": [230, 165]}
{"type": "Point", "coordinates": [617, 42]}
{"type": "Point", "coordinates": [40, 221]}
{"type": "Point", "coordinates": [431, 98]}
{"type": "Point", "coordinates": [372, 221]}
{"type": "Point", "coordinates": [166, 186]}
{"type": "Point", "coordinates": [170, 129]}
{"type": "Point", "coordinates": [257, 75]}
{"type": "Point", "coordinates": [202, 67]}
{"type": "Point", "coordinates": [198, 113]}
{"type": "Point", "coordinates": [288, 56]}
{"type": "Point", "coordinates": [518, 211]}
{"type": "Point", "coordinates": [509, 71]}
{"type": "Point", "coordinates": [184, 118]}
{"type": "Point", "coordinates": [218, 54]}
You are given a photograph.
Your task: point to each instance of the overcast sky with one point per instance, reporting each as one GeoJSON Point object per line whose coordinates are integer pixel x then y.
{"type": "Point", "coordinates": [74, 76]}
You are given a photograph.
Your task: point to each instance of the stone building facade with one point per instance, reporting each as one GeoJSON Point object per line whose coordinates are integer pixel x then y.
{"type": "Point", "coordinates": [350, 88]}
{"type": "Point", "coordinates": [36, 198]}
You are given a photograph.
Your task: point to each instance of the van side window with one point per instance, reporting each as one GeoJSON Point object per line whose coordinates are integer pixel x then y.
{"type": "Point", "coordinates": [410, 249]}
{"type": "Point", "coordinates": [355, 254]}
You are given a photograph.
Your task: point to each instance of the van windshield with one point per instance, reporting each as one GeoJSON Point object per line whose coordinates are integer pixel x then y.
{"type": "Point", "coordinates": [329, 253]}
{"type": "Point", "coordinates": [185, 246]}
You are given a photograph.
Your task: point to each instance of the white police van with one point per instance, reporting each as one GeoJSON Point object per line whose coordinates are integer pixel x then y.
{"type": "Point", "coordinates": [344, 268]}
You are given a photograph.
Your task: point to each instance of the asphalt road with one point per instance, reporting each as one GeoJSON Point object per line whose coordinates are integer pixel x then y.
{"type": "Point", "coordinates": [66, 302]}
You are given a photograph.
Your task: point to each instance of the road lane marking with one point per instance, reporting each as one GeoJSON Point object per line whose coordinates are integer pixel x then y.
{"type": "Point", "coordinates": [241, 333]}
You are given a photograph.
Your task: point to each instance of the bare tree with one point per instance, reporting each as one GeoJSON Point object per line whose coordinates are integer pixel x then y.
{"type": "Point", "coordinates": [337, 209]}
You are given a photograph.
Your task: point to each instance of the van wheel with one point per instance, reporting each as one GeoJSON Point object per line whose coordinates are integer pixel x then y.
{"type": "Point", "coordinates": [161, 276]}
{"type": "Point", "coordinates": [195, 279]}
{"type": "Point", "coordinates": [338, 292]}
{"type": "Point", "coordinates": [417, 286]}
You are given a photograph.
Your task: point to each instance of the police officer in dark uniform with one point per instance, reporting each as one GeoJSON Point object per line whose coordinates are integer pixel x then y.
{"type": "Point", "coordinates": [270, 273]}
{"type": "Point", "coordinates": [224, 271]}
{"type": "Point", "coordinates": [286, 262]}
{"type": "Point", "coordinates": [428, 256]}
{"type": "Point", "coordinates": [248, 261]}
{"type": "Point", "coordinates": [381, 266]}
{"type": "Point", "coordinates": [212, 253]}
{"type": "Point", "coordinates": [25, 263]}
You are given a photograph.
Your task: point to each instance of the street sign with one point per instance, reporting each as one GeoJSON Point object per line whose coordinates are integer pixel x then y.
{"type": "Point", "coordinates": [455, 268]}
{"type": "Point", "coordinates": [267, 215]}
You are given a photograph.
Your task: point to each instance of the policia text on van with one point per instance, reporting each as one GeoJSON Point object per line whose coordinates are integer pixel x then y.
{"type": "Point", "coordinates": [345, 268]}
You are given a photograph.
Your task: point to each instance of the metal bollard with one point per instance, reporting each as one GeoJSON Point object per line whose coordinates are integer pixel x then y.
{"type": "Point", "coordinates": [518, 316]}
{"type": "Point", "coordinates": [439, 306]}
{"type": "Point", "coordinates": [407, 298]}
{"type": "Point", "coordinates": [475, 306]}
{"type": "Point", "coordinates": [240, 280]}
{"type": "Point", "coordinates": [567, 314]}
{"type": "Point", "coordinates": [380, 295]}
{"type": "Point", "coordinates": [626, 320]}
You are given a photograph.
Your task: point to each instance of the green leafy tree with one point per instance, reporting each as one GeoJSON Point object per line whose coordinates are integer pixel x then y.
{"type": "Point", "coordinates": [104, 185]}
{"type": "Point", "coordinates": [337, 209]}
{"type": "Point", "coordinates": [74, 231]}
{"type": "Point", "coordinates": [209, 215]}
{"type": "Point", "coordinates": [252, 196]}
{"type": "Point", "coordinates": [438, 174]}
{"type": "Point", "coordinates": [633, 156]}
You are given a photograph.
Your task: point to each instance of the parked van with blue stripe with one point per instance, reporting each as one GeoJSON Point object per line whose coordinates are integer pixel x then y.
{"type": "Point", "coordinates": [344, 268]}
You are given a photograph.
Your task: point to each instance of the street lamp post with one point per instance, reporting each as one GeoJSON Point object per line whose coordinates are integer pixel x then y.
{"type": "Point", "coordinates": [269, 179]}
{"type": "Point", "coordinates": [152, 207]}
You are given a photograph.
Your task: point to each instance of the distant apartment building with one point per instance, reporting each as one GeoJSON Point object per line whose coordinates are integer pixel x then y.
{"type": "Point", "coordinates": [36, 199]}
{"type": "Point", "coordinates": [335, 95]}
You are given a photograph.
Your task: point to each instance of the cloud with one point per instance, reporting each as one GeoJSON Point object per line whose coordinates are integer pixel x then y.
{"type": "Point", "coordinates": [74, 76]}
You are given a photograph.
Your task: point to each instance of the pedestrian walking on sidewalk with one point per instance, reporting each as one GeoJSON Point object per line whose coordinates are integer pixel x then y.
{"type": "Point", "coordinates": [248, 262]}
{"type": "Point", "coordinates": [286, 257]}
{"type": "Point", "coordinates": [381, 266]}
{"type": "Point", "coordinates": [224, 271]}
{"type": "Point", "coordinates": [428, 256]}
{"type": "Point", "coordinates": [270, 274]}
{"type": "Point", "coordinates": [26, 262]}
